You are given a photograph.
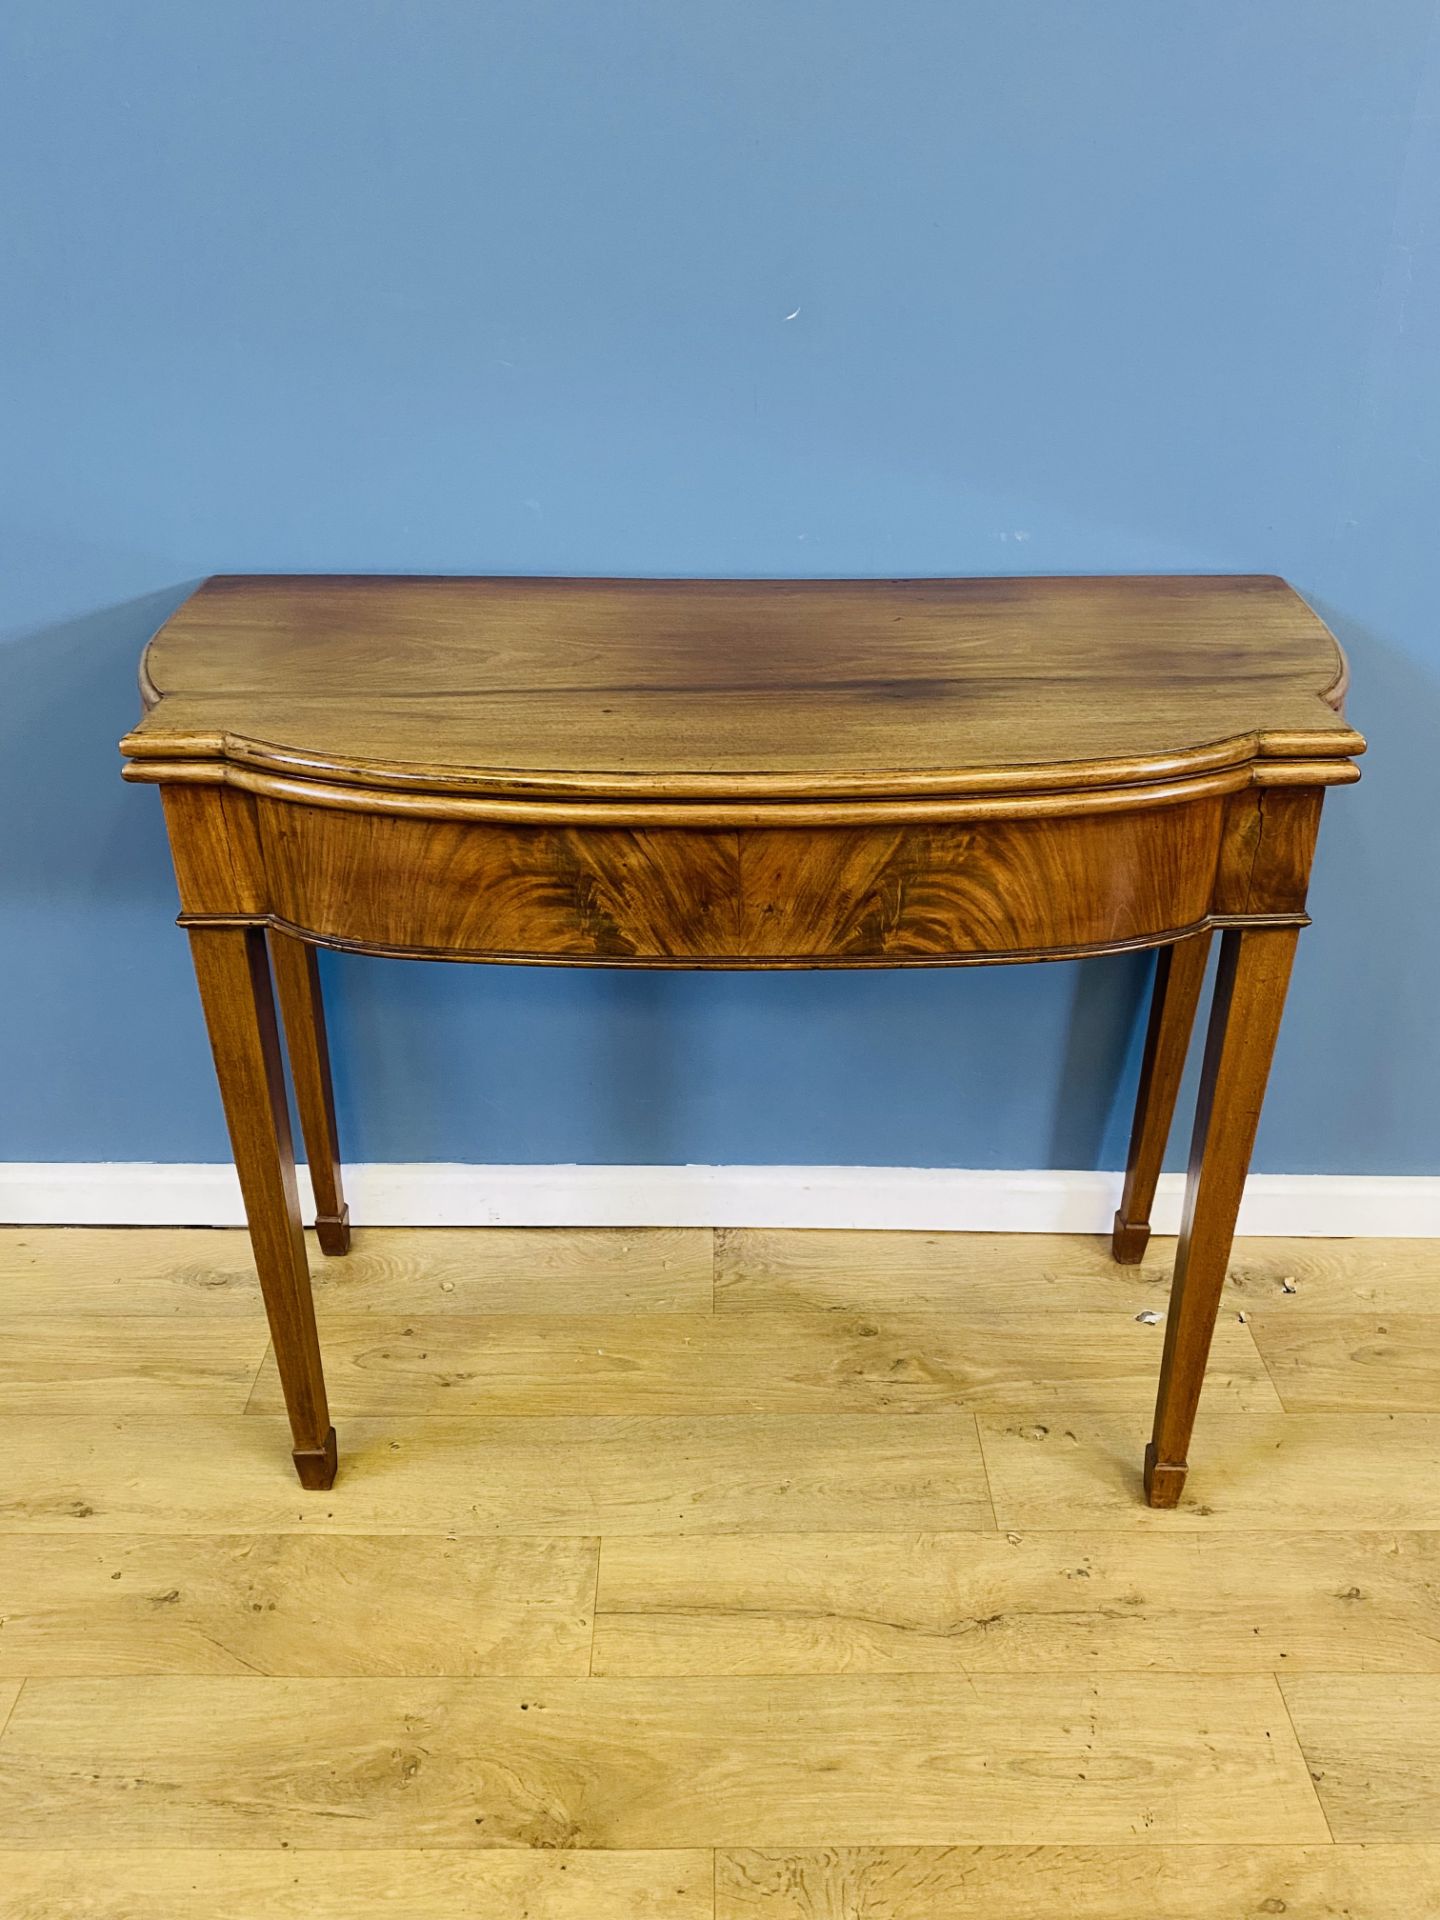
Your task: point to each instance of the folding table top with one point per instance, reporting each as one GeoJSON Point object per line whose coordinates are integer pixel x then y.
{"type": "Point", "coordinates": [743, 689]}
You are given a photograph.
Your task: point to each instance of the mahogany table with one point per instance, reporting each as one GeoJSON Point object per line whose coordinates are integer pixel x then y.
{"type": "Point", "coordinates": [652, 773]}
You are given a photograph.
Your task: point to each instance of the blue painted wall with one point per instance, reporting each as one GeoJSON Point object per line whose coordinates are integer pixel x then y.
{"type": "Point", "coordinates": [772, 287]}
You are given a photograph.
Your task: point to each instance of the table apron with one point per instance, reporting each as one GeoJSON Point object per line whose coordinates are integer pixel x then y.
{"type": "Point", "coordinates": [888, 894]}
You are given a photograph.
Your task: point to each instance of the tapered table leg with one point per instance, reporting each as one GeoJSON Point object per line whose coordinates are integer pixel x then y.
{"type": "Point", "coordinates": [1179, 976]}
{"type": "Point", "coordinates": [1249, 996]}
{"type": "Point", "coordinates": [297, 984]}
{"type": "Point", "coordinates": [234, 975]}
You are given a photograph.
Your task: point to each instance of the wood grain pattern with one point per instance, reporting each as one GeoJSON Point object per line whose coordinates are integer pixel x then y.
{"type": "Point", "coordinates": [588, 687]}
{"type": "Point", "coordinates": [759, 1473]}
{"type": "Point", "coordinates": [1364, 1361]}
{"type": "Point", "coordinates": [805, 1618]}
{"type": "Point", "coordinates": [1083, 1883]}
{"type": "Point", "coordinates": [1294, 1472]}
{"type": "Point", "coordinates": [205, 1272]}
{"type": "Point", "coordinates": [1301, 1278]}
{"type": "Point", "coordinates": [1020, 1603]}
{"type": "Point", "coordinates": [1267, 846]}
{"type": "Point", "coordinates": [1373, 1747]}
{"type": "Point", "coordinates": [765, 1270]}
{"type": "Point", "coordinates": [54, 1364]}
{"type": "Point", "coordinates": [215, 847]}
{"type": "Point", "coordinates": [987, 888]}
{"type": "Point", "coordinates": [177, 1883]}
{"type": "Point", "coordinates": [772, 1363]}
{"type": "Point", "coordinates": [753, 896]}
{"type": "Point", "coordinates": [290, 1605]}
{"type": "Point", "coordinates": [625, 1763]}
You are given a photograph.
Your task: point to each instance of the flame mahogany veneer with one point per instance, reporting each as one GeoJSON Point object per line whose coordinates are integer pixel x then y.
{"type": "Point", "coordinates": [743, 774]}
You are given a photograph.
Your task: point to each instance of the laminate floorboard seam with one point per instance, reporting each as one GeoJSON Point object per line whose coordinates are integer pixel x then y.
{"type": "Point", "coordinates": [1295, 1736]}
{"type": "Point", "coordinates": [1265, 1364]}
{"type": "Point", "coordinates": [989, 1482]}
{"type": "Point", "coordinates": [254, 1386]}
{"type": "Point", "coordinates": [1140, 1848]}
{"type": "Point", "coordinates": [1231, 1534]}
{"type": "Point", "coordinates": [10, 1710]}
{"type": "Point", "coordinates": [985, 1469]}
{"type": "Point", "coordinates": [595, 1606]}
{"type": "Point", "coordinates": [797, 1414]}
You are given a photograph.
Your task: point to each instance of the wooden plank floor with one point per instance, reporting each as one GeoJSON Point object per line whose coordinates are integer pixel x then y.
{"type": "Point", "coordinates": [709, 1577]}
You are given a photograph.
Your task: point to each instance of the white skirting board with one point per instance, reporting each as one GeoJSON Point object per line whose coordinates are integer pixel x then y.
{"type": "Point", "coordinates": [436, 1194]}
